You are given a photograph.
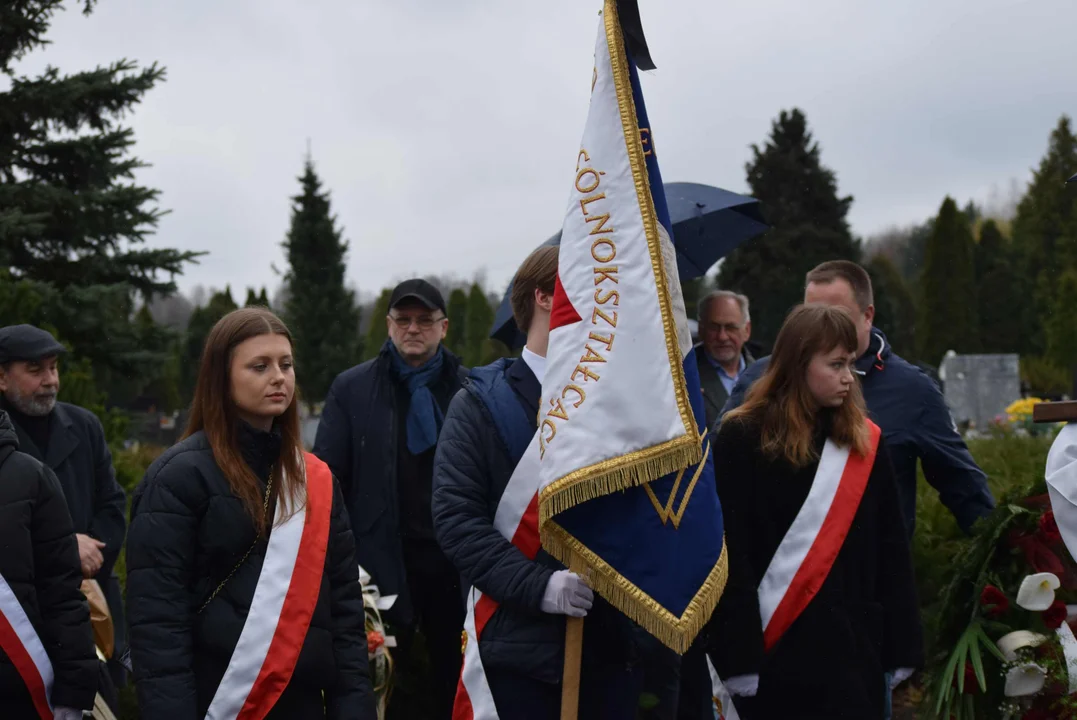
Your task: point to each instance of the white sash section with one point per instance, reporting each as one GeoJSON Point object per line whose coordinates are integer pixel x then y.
{"type": "Point", "coordinates": [1061, 476]}
{"type": "Point", "coordinates": [261, 624]}
{"type": "Point", "coordinates": [519, 491]}
{"type": "Point", "coordinates": [798, 540]}
{"type": "Point", "coordinates": [473, 675]}
{"type": "Point", "coordinates": [12, 610]}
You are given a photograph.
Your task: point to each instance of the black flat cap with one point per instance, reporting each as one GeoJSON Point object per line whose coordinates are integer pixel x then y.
{"type": "Point", "coordinates": [417, 289]}
{"type": "Point", "coordinates": [26, 342]}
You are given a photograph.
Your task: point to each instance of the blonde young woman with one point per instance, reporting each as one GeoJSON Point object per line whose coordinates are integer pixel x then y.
{"type": "Point", "coordinates": [242, 587]}
{"type": "Point", "coordinates": [819, 619]}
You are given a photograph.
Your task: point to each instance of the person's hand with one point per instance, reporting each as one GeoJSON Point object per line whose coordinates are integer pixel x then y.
{"type": "Point", "coordinates": [567, 594]}
{"type": "Point", "coordinates": [66, 713]}
{"type": "Point", "coordinates": [90, 555]}
{"type": "Point", "coordinates": [742, 685]}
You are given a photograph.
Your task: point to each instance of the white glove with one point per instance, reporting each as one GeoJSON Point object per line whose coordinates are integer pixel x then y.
{"type": "Point", "coordinates": [742, 685]}
{"type": "Point", "coordinates": [567, 594]}
{"type": "Point", "coordinates": [65, 713]}
{"type": "Point", "coordinates": [899, 676]}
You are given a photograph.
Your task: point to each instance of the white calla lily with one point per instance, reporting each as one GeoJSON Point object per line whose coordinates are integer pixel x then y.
{"type": "Point", "coordinates": [1037, 592]}
{"type": "Point", "coordinates": [1009, 644]}
{"type": "Point", "coordinates": [1027, 679]}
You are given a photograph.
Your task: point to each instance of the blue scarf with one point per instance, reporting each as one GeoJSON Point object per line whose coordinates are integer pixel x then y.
{"type": "Point", "coordinates": [424, 416]}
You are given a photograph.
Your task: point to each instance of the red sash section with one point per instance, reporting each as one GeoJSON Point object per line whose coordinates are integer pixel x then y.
{"type": "Point", "coordinates": [302, 595]}
{"type": "Point", "coordinates": [824, 551]}
{"type": "Point", "coordinates": [16, 652]}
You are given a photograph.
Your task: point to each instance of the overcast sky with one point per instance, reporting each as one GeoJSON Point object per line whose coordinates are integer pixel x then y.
{"type": "Point", "coordinates": [447, 130]}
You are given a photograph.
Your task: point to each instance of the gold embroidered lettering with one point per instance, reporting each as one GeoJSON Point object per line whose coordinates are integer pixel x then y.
{"type": "Point", "coordinates": [601, 227]}
{"type": "Point", "coordinates": [587, 374]}
{"type": "Point", "coordinates": [594, 176]}
{"type": "Point", "coordinates": [610, 294]}
{"type": "Point", "coordinates": [576, 389]}
{"type": "Point", "coordinates": [597, 313]}
{"type": "Point", "coordinates": [558, 410]}
{"type": "Point", "coordinates": [586, 158]}
{"type": "Point", "coordinates": [605, 340]}
{"type": "Point", "coordinates": [591, 356]}
{"type": "Point", "coordinates": [588, 200]}
{"type": "Point", "coordinates": [606, 273]}
{"type": "Point", "coordinates": [607, 256]}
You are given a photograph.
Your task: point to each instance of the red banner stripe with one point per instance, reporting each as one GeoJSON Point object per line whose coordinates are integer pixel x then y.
{"type": "Point", "coordinates": [824, 551]}
{"type": "Point", "coordinates": [24, 664]}
{"type": "Point", "coordinates": [302, 596]}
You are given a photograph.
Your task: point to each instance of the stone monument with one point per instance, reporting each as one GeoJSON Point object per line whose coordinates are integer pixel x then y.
{"type": "Point", "coordinates": [979, 388]}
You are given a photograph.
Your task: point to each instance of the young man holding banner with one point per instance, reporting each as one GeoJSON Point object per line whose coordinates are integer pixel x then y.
{"type": "Point", "coordinates": [485, 508]}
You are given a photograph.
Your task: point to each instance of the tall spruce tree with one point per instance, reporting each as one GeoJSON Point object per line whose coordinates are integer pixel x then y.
{"type": "Point", "coordinates": [321, 310]}
{"type": "Point", "coordinates": [948, 296]}
{"type": "Point", "coordinates": [480, 317]}
{"type": "Point", "coordinates": [457, 314]}
{"type": "Point", "coordinates": [378, 332]}
{"type": "Point", "coordinates": [202, 321]}
{"type": "Point", "coordinates": [799, 197]}
{"type": "Point", "coordinates": [1045, 234]}
{"type": "Point", "coordinates": [1061, 330]}
{"type": "Point", "coordinates": [256, 299]}
{"type": "Point", "coordinates": [72, 217]}
{"type": "Point", "coordinates": [999, 300]}
{"type": "Point", "coordinates": [895, 306]}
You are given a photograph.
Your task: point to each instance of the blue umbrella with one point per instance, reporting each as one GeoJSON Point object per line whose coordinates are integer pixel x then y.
{"type": "Point", "coordinates": [1072, 179]}
{"type": "Point", "coordinates": [708, 224]}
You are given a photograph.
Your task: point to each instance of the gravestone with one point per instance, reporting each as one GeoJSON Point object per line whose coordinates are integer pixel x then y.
{"type": "Point", "coordinates": [979, 388]}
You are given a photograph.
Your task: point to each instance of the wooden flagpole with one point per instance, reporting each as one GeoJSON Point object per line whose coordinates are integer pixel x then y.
{"type": "Point", "coordinates": [570, 684]}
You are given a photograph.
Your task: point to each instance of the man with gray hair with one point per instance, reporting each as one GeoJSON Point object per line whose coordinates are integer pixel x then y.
{"type": "Point", "coordinates": [724, 327]}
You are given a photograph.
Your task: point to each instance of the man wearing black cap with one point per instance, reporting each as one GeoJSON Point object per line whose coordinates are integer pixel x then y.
{"type": "Point", "coordinates": [378, 432]}
{"type": "Point", "coordinates": [71, 441]}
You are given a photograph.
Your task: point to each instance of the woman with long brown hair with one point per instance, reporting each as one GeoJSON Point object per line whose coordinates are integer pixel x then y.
{"type": "Point", "coordinates": [819, 618]}
{"type": "Point", "coordinates": [243, 593]}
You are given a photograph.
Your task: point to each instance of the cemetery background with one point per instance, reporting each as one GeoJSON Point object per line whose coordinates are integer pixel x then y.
{"type": "Point", "coordinates": [974, 280]}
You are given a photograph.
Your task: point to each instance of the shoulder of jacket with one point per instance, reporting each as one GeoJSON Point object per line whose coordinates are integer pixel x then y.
{"type": "Point", "coordinates": [181, 456]}
{"type": "Point", "coordinates": [81, 415]}
{"type": "Point", "coordinates": [355, 373]}
{"type": "Point", "coordinates": [22, 465]}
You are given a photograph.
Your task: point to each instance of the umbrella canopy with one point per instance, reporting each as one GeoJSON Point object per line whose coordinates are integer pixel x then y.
{"type": "Point", "coordinates": [708, 224]}
{"type": "Point", "coordinates": [1072, 179]}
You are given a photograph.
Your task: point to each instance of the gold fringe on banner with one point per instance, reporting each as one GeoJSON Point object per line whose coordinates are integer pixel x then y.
{"type": "Point", "coordinates": [619, 473]}
{"type": "Point", "coordinates": [677, 633]}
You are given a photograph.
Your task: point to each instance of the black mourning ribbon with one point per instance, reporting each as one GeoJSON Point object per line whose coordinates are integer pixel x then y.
{"type": "Point", "coordinates": [632, 27]}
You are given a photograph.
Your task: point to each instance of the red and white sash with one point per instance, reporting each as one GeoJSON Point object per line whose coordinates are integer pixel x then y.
{"type": "Point", "coordinates": [283, 603]}
{"type": "Point", "coordinates": [19, 641]}
{"type": "Point", "coordinates": [807, 552]}
{"type": "Point", "coordinates": [517, 519]}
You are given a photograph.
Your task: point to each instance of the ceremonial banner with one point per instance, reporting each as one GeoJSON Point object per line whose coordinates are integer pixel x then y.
{"type": "Point", "coordinates": [627, 483]}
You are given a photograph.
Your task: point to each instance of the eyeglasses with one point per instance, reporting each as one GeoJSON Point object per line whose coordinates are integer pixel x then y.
{"type": "Point", "coordinates": [729, 328]}
{"type": "Point", "coordinates": [425, 322]}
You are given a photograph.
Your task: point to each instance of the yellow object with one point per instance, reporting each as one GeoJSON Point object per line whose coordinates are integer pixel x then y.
{"type": "Point", "coordinates": [1021, 410]}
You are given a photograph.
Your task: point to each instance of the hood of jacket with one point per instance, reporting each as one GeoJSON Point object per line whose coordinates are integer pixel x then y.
{"type": "Point", "coordinates": [8, 438]}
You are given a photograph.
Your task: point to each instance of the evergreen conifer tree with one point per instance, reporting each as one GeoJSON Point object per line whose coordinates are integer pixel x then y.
{"type": "Point", "coordinates": [72, 216]}
{"type": "Point", "coordinates": [1045, 235]}
{"type": "Point", "coordinates": [321, 310]}
{"type": "Point", "coordinates": [457, 314]}
{"type": "Point", "coordinates": [378, 332]}
{"type": "Point", "coordinates": [799, 197]}
{"type": "Point", "coordinates": [480, 317]}
{"type": "Point", "coordinates": [895, 306]}
{"type": "Point", "coordinates": [202, 321]}
{"type": "Point", "coordinates": [1000, 304]}
{"type": "Point", "coordinates": [948, 295]}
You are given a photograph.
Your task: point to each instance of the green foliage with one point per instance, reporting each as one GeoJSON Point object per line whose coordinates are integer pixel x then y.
{"type": "Point", "coordinates": [378, 332]}
{"type": "Point", "coordinates": [800, 200]}
{"type": "Point", "coordinates": [998, 288]}
{"type": "Point", "coordinates": [457, 314]}
{"type": "Point", "coordinates": [202, 321]}
{"type": "Point", "coordinates": [895, 308]}
{"type": "Point", "coordinates": [1045, 379]}
{"type": "Point", "coordinates": [948, 288]}
{"type": "Point", "coordinates": [73, 219]}
{"type": "Point", "coordinates": [254, 299]}
{"type": "Point", "coordinates": [1061, 325]}
{"type": "Point", "coordinates": [1045, 235]}
{"type": "Point", "coordinates": [321, 311]}
{"type": "Point", "coordinates": [478, 348]}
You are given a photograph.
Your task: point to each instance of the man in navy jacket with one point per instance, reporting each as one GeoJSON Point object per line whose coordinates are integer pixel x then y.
{"type": "Point", "coordinates": [903, 401]}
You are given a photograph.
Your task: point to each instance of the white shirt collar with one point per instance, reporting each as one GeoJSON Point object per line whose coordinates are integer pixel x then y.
{"type": "Point", "coordinates": [537, 363]}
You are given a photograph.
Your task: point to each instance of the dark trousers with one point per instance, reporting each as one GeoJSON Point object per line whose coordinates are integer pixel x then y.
{"type": "Point", "coordinates": [696, 702]}
{"type": "Point", "coordinates": [607, 692]}
{"type": "Point", "coordinates": [428, 690]}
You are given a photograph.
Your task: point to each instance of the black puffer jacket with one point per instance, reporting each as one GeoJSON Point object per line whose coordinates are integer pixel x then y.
{"type": "Point", "coordinates": [39, 559]}
{"type": "Point", "coordinates": [188, 531]}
